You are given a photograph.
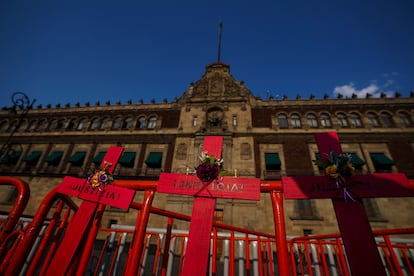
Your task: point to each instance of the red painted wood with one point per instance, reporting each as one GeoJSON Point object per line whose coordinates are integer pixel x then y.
{"type": "Point", "coordinates": [197, 252]}
{"type": "Point", "coordinates": [212, 145]}
{"type": "Point", "coordinates": [359, 242]}
{"type": "Point", "coordinates": [110, 195]}
{"type": "Point", "coordinates": [359, 186]}
{"type": "Point", "coordinates": [226, 187]}
{"type": "Point", "coordinates": [326, 142]}
{"type": "Point", "coordinates": [360, 246]}
{"type": "Point", "coordinates": [198, 245]}
{"type": "Point", "coordinates": [80, 224]}
{"type": "Point", "coordinates": [75, 231]}
{"type": "Point", "coordinates": [112, 156]}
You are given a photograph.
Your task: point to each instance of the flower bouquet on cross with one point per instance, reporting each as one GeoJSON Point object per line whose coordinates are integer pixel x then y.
{"type": "Point", "coordinates": [338, 167]}
{"type": "Point", "coordinates": [101, 177]}
{"type": "Point", "coordinates": [208, 168]}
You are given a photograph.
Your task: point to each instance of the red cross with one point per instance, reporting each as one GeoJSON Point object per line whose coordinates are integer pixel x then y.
{"type": "Point", "coordinates": [80, 223]}
{"type": "Point", "coordinates": [197, 252]}
{"type": "Point", "coordinates": [359, 242]}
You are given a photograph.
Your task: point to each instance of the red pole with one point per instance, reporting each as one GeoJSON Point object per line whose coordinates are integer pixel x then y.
{"type": "Point", "coordinates": [54, 245]}
{"type": "Point", "coordinates": [166, 247]}
{"type": "Point", "coordinates": [231, 253]}
{"type": "Point", "coordinates": [47, 237]}
{"type": "Point", "coordinates": [23, 195]}
{"type": "Point", "coordinates": [214, 253]}
{"type": "Point", "coordinates": [247, 248]}
{"type": "Point", "coordinates": [140, 227]}
{"type": "Point", "coordinates": [280, 232]}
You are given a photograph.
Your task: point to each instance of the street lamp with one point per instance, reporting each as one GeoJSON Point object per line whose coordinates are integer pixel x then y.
{"type": "Point", "coordinates": [20, 102]}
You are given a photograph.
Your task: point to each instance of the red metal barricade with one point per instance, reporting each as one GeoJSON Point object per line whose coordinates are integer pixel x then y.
{"type": "Point", "coordinates": [324, 254]}
{"type": "Point", "coordinates": [8, 229]}
{"type": "Point", "coordinates": [139, 250]}
{"type": "Point", "coordinates": [35, 240]}
{"type": "Point", "coordinates": [23, 195]}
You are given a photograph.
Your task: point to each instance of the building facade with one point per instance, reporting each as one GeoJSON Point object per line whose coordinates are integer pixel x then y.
{"type": "Point", "coordinates": [263, 138]}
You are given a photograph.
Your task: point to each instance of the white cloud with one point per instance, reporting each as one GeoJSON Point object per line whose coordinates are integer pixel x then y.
{"type": "Point", "coordinates": [349, 89]}
{"type": "Point", "coordinates": [374, 89]}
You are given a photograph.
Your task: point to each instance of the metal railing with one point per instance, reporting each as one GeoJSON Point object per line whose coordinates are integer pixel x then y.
{"type": "Point", "coordinates": [139, 250]}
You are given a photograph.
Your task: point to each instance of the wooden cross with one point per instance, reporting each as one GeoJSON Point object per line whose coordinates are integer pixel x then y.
{"type": "Point", "coordinates": [357, 236]}
{"type": "Point", "coordinates": [80, 223]}
{"type": "Point", "coordinates": [197, 252]}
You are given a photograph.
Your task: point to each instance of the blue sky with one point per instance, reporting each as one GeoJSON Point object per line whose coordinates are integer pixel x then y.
{"type": "Point", "coordinates": [89, 51]}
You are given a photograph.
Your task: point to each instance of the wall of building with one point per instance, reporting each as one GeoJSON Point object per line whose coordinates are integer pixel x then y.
{"type": "Point", "coordinates": [217, 105]}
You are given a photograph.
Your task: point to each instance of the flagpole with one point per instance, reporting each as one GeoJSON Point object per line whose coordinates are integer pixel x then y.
{"type": "Point", "coordinates": [219, 42]}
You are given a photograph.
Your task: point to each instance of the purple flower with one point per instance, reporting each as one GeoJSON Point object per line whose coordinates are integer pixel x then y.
{"type": "Point", "coordinates": [103, 178]}
{"type": "Point", "coordinates": [207, 172]}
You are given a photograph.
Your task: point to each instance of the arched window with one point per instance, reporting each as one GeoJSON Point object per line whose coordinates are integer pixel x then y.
{"type": "Point", "coordinates": [105, 123]}
{"type": "Point", "coordinates": [342, 120]}
{"type": "Point", "coordinates": [42, 124]}
{"type": "Point", "coordinates": [325, 120]}
{"type": "Point", "coordinates": [387, 119]}
{"type": "Point", "coordinates": [95, 123]}
{"type": "Point", "coordinates": [312, 121]}
{"type": "Point", "coordinates": [128, 123]}
{"type": "Point", "coordinates": [13, 125]}
{"type": "Point", "coordinates": [142, 122]}
{"type": "Point", "coordinates": [117, 124]}
{"type": "Point", "coordinates": [373, 119]}
{"type": "Point", "coordinates": [72, 124]}
{"type": "Point", "coordinates": [282, 121]}
{"type": "Point", "coordinates": [405, 119]}
{"type": "Point", "coordinates": [83, 124]}
{"type": "Point", "coordinates": [295, 121]}
{"type": "Point", "coordinates": [60, 124]}
{"type": "Point", "coordinates": [23, 125]}
{"type": "Point", "coordinates": [152, 122]}
{"type": "Point", "coordinates": [355, 120]}
{"type": "Point", "coordinates": [33, 125]}
{"type": "Point", "coordinates": [53, 124]}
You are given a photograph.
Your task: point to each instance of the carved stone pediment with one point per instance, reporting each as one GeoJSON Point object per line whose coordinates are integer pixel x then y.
{"type": "Point", "coordinates": [216, 83]}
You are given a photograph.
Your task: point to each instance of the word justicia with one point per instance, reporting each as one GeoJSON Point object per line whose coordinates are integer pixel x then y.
{"type": "Point", "coordinates": [94, 192]}
{"type": "Point", "coordinates": [217, 185]}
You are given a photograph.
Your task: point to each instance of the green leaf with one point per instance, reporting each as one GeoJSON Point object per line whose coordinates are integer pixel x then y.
{"type": "Point", "coordinates": [319, 163]}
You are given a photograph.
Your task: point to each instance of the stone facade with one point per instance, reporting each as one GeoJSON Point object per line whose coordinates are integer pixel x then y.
{"type": "Point", "coordinates": [68, 141]}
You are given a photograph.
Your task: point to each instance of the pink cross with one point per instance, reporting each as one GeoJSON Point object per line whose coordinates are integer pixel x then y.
{"type": "Point", "coordinates": [197, 252]}
{"type": "Point", "coordinates": [79, 225]}
{"type": "Point", "coordinates": [359, 242]}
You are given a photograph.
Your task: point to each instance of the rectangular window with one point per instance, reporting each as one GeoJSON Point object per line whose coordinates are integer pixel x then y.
{"type": "Point", "coordinates": [381, 162]}
{"type": "Point", "coordinates": [54, 158]}
{"type": "Point", "coordinates": [272, 162]}
{"type": "Point", "coordinates": [33, 158]}
{"type": "Point", "coordinates": [77, 159]}
{"type": "Point", "coordinates": [154, 160]}
{"type": "Point", "coordinates": [305, 210]}
{"type": "Point", "coordinates": [127, 159]}
{"type": "Point", "coordinates": [11, 158]}
{"type": "Point", "coordinates": [99, 157]}
{"type": "Point", "coordinates": [272, 166]}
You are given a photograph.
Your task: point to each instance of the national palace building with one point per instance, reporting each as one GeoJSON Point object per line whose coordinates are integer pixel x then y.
{"type": "Point", "coordinates": [263, 138]}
